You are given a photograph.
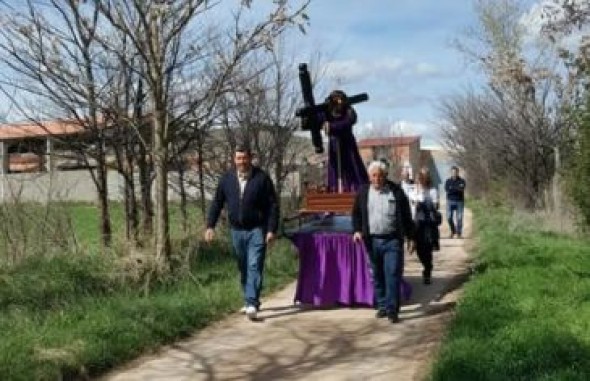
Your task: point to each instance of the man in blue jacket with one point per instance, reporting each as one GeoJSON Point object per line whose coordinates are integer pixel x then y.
{"type": "Point", "coordinates": [455, 189]}
{"type": "Point", "coordinates": [253, 213]}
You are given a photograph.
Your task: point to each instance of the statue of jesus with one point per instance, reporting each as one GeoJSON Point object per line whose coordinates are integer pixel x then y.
{"type": "Point", "coordinates": [346, 170]}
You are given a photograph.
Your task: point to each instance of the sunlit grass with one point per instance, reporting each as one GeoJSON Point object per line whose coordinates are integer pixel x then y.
{"type": "Point", "coordinates": [67, 315]}
{"type": "Point", "coordinates": [526, 314]}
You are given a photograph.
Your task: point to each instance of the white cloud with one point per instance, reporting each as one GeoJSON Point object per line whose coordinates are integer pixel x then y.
{"type": "Point", "coordinates": [347, 71]}
{"type": "Point", "coordinates": [382, 70]}
{"type": "Point", "coordinates": [533, 20]}
{"type": "Point", "coordinates": [396, 100]}
{"type": "Point", "coordinates": [429, 132]}
{"type": "Point", "coordinates": [426, 69]}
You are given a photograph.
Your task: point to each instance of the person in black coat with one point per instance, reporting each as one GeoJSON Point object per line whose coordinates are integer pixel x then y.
{"type": "Point", "coordinates": [427, 219]}
{"type": "Point", "coordinates": [455, 189]}
{"type": "Point", "coordinates": [253, 213]}
{"type": "Point", "coordinates": [381, 220]}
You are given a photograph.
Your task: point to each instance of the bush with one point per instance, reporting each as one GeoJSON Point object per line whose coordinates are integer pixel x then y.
{"type": "Point", "coordinates": [74, 316]}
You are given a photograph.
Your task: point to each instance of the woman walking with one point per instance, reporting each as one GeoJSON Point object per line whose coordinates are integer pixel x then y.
{"type": "Point", "coordinates": [427, 219]}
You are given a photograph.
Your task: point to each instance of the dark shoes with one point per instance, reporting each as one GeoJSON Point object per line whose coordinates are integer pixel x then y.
{"type": "Point", "coordinates": [391, 316]}
{"type": "Point", "coordinates": [426, 277]}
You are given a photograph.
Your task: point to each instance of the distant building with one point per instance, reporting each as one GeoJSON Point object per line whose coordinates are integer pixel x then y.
{"type": "Point", "coordinates": [29, 147]}
{"type": "Point", "coordinates": [399, 151]}
{"type": "Point", "coordinates": [405, 152]}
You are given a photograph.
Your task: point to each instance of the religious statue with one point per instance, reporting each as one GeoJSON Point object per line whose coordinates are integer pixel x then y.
{"type": "Point", "coordinates": [336, 116]}
{"type": "Point", "coordinates": [346, 170]}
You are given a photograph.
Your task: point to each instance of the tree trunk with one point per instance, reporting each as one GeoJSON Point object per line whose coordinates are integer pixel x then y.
{"type": "Point", "coordinates": [183, 197]}
{"type": "Point", "coordinates": [162, 233]}
{"type": "Point", "coordinates": [103, 200]}
{"type": "Point", "coordinates": [145, 184]}
{"type": "Point", "coordinates": [277, 179]}
{"type": "Point", "coordinates": [143, 165]}
{"type": "Point", "coordinates": [201, 169]}
{"type": "Point", "coordinates": [132, 222]}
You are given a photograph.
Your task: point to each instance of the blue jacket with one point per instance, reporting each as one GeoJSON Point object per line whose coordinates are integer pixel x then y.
{"type": "Point", "coordinates": [258, 207]}
{"type": "Point", "coordinates": [455, 189]}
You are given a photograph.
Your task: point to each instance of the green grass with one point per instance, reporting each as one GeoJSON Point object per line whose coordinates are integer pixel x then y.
{"type": "Point", "coordinates": [526, 313]}
{"type": "Point", "coordinates": [65, 316]}
{"type": "Point", "coordinates": [36, 229]}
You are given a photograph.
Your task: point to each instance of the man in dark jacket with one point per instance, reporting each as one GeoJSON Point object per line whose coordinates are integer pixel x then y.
{"type": "Point", "coordinates": [455, 189]}
{"type": "Point", "coordinates": [381, 219]}
{"type": "Point", "coordinates": [253, 211]}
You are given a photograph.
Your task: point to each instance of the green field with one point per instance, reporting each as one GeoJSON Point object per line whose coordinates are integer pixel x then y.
{"type": "Point", "coordinates": [525, 315]}
{"type": "Point", "coordinates": [66, 315]}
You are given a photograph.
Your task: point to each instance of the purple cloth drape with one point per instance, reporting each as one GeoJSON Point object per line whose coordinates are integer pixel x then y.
{"type": "Point", "coordinates": [334, 270]}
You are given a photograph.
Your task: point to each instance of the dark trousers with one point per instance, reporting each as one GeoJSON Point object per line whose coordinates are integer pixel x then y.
{"type": "Point", "coordinates": [424, 252]}
{"type": "Point", "coordinates": [387, 261]}
{"type": "Point", "coordinates": [426, 240]}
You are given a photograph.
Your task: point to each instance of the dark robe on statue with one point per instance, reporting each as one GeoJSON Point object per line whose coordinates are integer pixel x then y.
{"type": "Point", "coordinates": [353, 170]}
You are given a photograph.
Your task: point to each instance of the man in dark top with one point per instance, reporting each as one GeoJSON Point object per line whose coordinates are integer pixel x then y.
{"type": "Point", "coordinates": [253, 211]}
{"type": "Point", "coordinates": [381, 218]}
{"type": "Point", "coordinates": [455, 189]}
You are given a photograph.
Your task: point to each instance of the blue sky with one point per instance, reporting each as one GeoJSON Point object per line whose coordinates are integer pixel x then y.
{"type": "Point", "coordinates": [398, 51]}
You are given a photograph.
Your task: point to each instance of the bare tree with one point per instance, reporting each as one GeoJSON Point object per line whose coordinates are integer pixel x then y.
{"type": "Point", "coordinates": [507, 133]}
{"type": "Point", "coordinates": [57, 59]}
{"type": "Point", "coordinates": [51, 55]}
{"type": "Point", "coordinates": [262, 112]}
{"type": "Point", "coordinates": [563, 19]}
{"type": "Point", "coordinates": [161, 33]}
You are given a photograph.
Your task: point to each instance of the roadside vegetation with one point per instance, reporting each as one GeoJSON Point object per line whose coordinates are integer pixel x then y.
{"type": "Point", "coordinates": [70, 314]}
{"type": "Point", "coordinates": [525, 315]}
{"type": "Point", "coordinates": [523, 138]}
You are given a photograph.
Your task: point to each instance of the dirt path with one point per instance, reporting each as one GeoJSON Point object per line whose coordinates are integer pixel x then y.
{"type": "Point", "coordinates": [292, 343]}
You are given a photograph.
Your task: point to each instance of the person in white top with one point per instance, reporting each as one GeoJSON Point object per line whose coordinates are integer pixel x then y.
{"type": "Point", "coordinates": [407, 183]}
{"type": "Point", "coordinates": [425, 203]}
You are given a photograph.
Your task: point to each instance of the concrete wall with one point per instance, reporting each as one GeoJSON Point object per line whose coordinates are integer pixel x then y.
{"type": "Point", "coordinates": [78, 186]}
{"type": "Point", "coordinates": [40, 187]}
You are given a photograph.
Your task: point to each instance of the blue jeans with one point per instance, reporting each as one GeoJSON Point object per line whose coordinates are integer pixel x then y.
{"type": "Point", "coordinates": [387, 262]}
{"type": "Point", "coordinates": [250, 251]}
{"type": "Point", "coordinates": [455, 206]}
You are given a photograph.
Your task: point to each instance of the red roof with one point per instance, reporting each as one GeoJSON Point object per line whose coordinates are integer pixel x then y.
{"type": "Point", "coordinates": [389, 141]}
{"type": "Point", "coordinates": [15, 131]}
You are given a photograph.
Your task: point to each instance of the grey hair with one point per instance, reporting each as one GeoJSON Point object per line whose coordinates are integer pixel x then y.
{"type": "Point", "coordinates": [377, 164]}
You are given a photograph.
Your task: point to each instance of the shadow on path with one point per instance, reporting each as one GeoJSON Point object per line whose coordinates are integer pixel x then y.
{"type": "Point", "coordinates": [297, 342]}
